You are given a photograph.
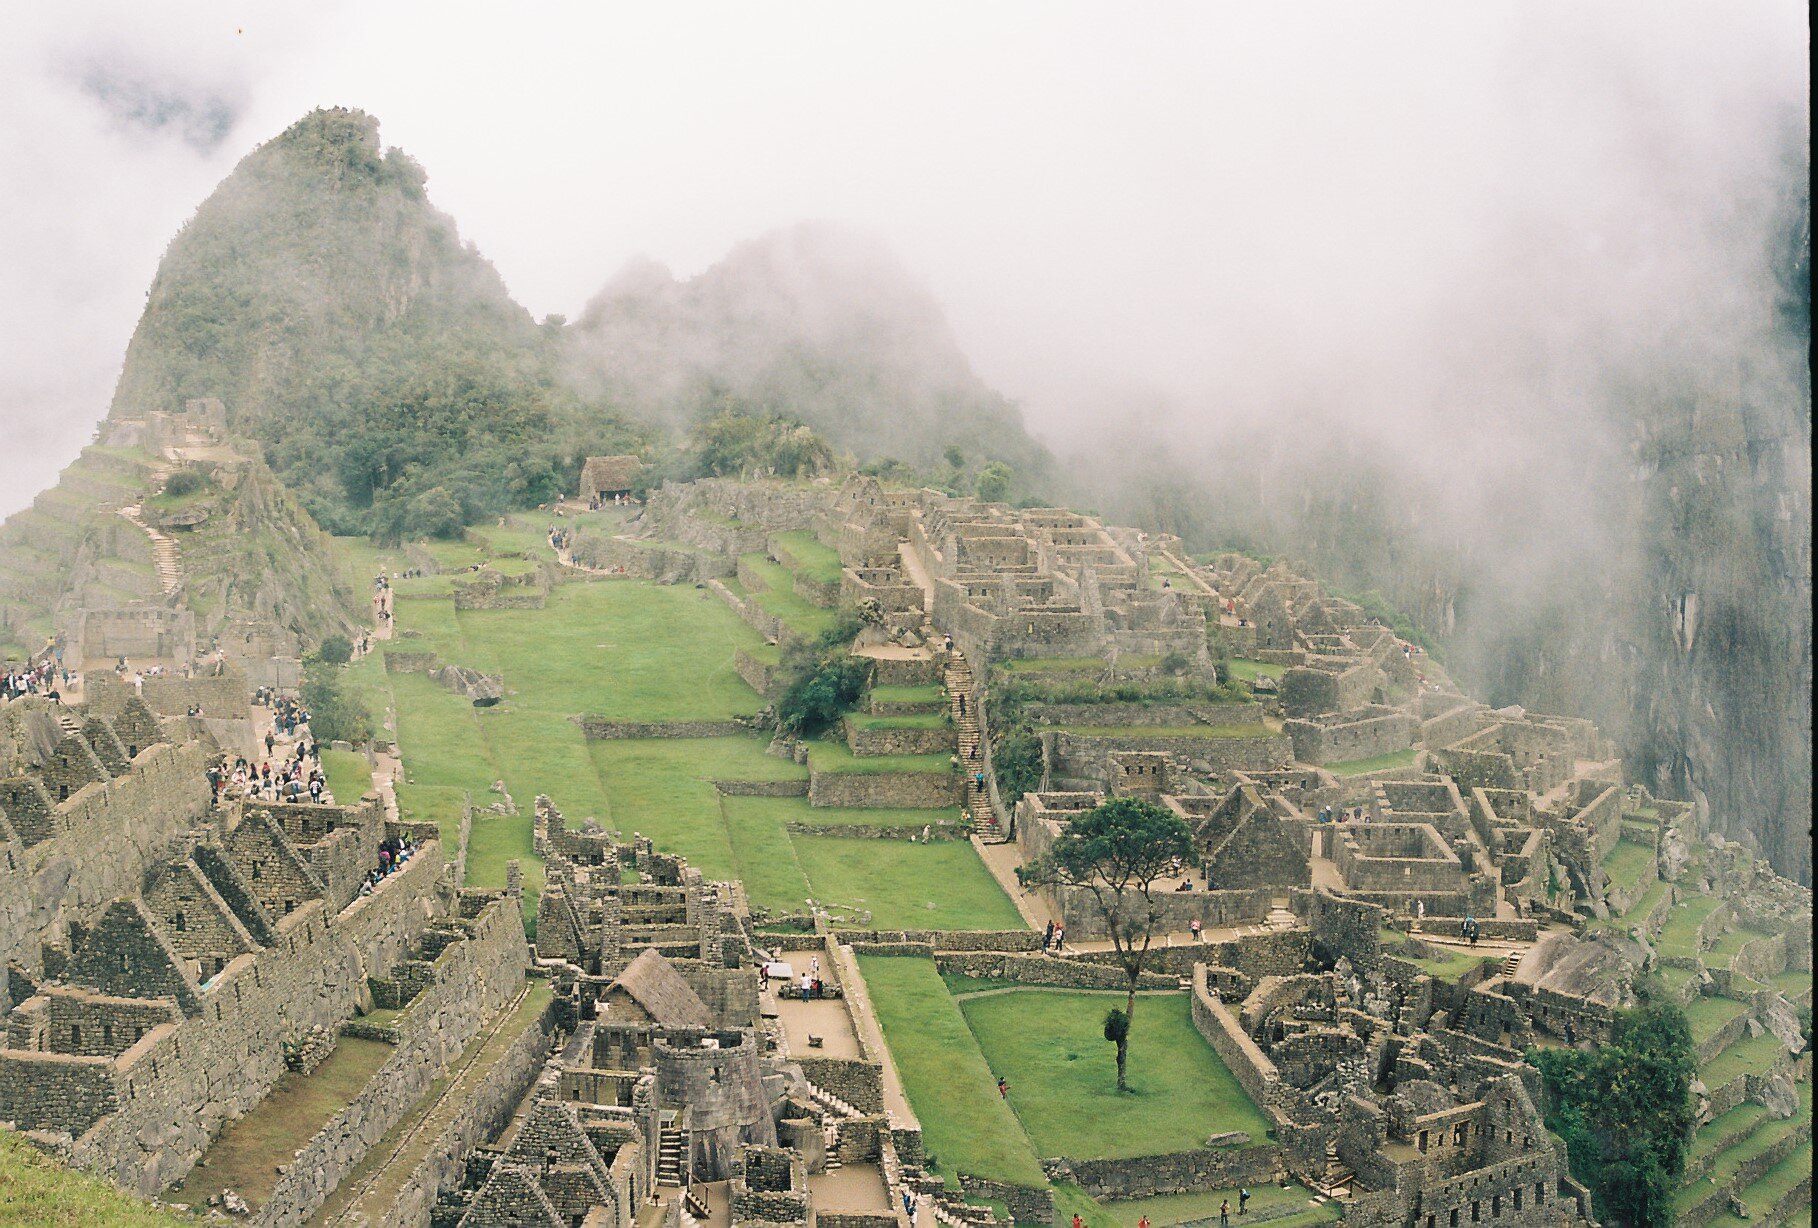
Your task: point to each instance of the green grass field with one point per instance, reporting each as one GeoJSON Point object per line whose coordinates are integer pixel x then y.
{"type": "Point", "coordinates": [952, 1090]}
{"type": "Point", "coordinates": [1278, 1206]}
{"type": "Point", "coordinates": [1376, 763]}
{"type": "Point", "coordinates": [1706, 1016]}
{"type": "Point", "coordinates": [1063, 1080]}
{"type": "Point", "coordinates": [938, 886]}
{"type": "Point", "coordinates": [1679, 936]}
{"type": "Point", "coordinates": [349, 775]}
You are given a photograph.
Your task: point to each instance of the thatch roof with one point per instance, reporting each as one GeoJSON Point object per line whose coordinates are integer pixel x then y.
{"type": "Point", "coordinates": [655, 985]}
{"type": "Point", "coordinates": [609, 473]}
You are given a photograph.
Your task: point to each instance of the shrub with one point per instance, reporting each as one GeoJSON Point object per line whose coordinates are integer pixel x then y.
{"type": "Point", "coordinates": [336, 650]}
{"type": "Point", "coordinates": [184, 482]}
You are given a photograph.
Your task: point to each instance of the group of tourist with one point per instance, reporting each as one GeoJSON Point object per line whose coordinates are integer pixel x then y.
{"type": "Point", "coordinates": [597, 501]}
{"type": "Point", "coordinates": [1055, 936]}
{"type": "Point", "coordinates": [294, 778]}
{"type": "Point", "coordinates": [1338, 814]}
{"type": "Point", "coordinates": [287, 716]}
{"type": "Point", "coordinates": [394, 851]}
{"type": "Point", "coordinates": [46, 678]}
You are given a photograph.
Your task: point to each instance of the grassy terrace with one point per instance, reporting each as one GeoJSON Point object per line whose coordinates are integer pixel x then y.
{"type": "Point", "coordinates": [1750, 1055]}
{"type": "Point", "coordinates": [835, 757]}
{"type": "Point", "coordinates": [918, 720]}
{"type": "Point", "coordinates": [945, 1076]}
{"type": "Point", "coordinates": [1166, 731]}
{"type": "Point", "coordinates": [780, 599]}
{"type": "Point", "coordinates": [1627, 864]}
{"type": "Point", "coordinates": [37, 1191]}
{"type": "Point", "coordinates": [808, 557]}
{"type": "Point", "coordinates": [929, 694]}
{"type": "Point", "coordinates": [245, 1156]}
{"type": "Point", "coordinates": [1445, 968]}
{"type": "Point", "coordinates": [1730, 1159]}
{"type": "Point", "coordinates": [1706, 1016]}
{"type": "Point", "coordinates": [1050, 1046]}
{"type": "Point", "coordinates": [1242, 670]}
{"type": "Point", "coordinates": [1721, 952]}
{"type": "Point", "coordinates": [1375, 763]}
{"type": "Point", "coordinates": [1679, 936]}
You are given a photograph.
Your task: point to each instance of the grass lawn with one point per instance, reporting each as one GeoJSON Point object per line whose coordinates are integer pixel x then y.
{"type": "Point", "coordinates": [1627, 864]}
{"type": "Point", "coordinates": [835, 757]}
{"type": "Point", "coordinates": [809, 557]}
{"type": "Point", "coordinates": [1376, 763]}
{"type": "Point", "coordinates": [245, 1154]}
{"type": "Point", "coordinates": [38, 1192]}
{"type": "Point", "coordinates": [952, 1090]}
{"type": "Point", "coordinates": [663, 788]}
{"type": "Point", "coordinates": [1063, 1080]}
{"type": "Point", "coordinates": [1243, 670]}
{"type": "Point", "coordinates": [629, 651]}
{"type": "Point", "coordinates": [1446, 968]}
{"type": "Point", "coordinates": [779, 598]}
{"type": "Point", "coordinates": [1793, 983]}
{"type": "Point", "coordinates": [432, 804]}
{"type": "Point", "coordinates": [1166, 731]}
{"type": "Point", "coordinates": [938, 886]}
{"type": "Point", "coordinates": [349, 775]}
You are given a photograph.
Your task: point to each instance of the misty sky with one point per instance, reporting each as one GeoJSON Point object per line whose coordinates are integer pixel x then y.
{"type": "Point", "coordinates": [1403, 212]}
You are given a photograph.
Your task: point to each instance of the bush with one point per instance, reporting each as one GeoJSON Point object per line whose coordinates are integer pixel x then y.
{"type": "Point", "coordinates": [336, 650]}
{"type": "Point", "coordinates": [820, 686]}
{"type": "Point", "coordinates": [184, 482]}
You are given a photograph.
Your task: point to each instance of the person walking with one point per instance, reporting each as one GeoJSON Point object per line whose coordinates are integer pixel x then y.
{"type": "Point", "coordinates": [1003, 1088]}
{"type": "Point", "coordinates": [1224, 1214]}
{"type": "Point", "coordinates": [1194, 926]}
{"type": "Point", "coordinates": [1048, 936]}
{"type": "Point", "coordinates": [1243, 1200]}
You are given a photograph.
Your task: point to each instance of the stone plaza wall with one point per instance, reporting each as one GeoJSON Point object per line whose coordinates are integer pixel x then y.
{"type": "Point", "coordinates": [1251, 1067]}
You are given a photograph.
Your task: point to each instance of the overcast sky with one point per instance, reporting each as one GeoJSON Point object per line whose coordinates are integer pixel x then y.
{"type": "Point", "coordinates": [1193, 206]}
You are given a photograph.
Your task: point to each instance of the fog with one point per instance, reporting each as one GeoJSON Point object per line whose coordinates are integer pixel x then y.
{"type": "Point", "coordinates": [1443, 233]}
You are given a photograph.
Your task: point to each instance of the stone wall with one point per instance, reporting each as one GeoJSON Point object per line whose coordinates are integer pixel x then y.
{"type": "Point", "coordinates": [1175, 713]}
{"type": "Point", "coordinates": [475, 979]}
{"type": "Point", "coordinates": [858, 1083]}
{"type": "Point", "coordinates": [1026, 1205]}
{"type": "Point", "coordinates": [1181, 1172]}
{"type": "Point", "coordinates": [865, 741]}
{"type": "Point", "coordinates": [900, 790]}
{"type": "Point", "coordinates": [599, 729]}
{"type": "Point", "coordinates": [1176, 910]}
{"type": "Point", "coordinates": [1251, 1067]}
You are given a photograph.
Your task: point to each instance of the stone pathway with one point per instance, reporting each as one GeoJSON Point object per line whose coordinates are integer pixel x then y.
{"type": "Point", "coordinates": [165, 559]}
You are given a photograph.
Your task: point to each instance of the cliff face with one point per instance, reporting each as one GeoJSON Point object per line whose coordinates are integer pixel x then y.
{"type": "Point", "coordinates": [812, 322]}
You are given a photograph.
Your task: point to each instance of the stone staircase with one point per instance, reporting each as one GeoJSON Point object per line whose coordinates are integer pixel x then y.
{"type": "Point", "coordinates": [1335, 1182]}
{"type": "Point", "coordinates": [1510, 962]}
{"type": "Point", "coordinates": [165, 559]}
{"type": "Point", "coordinates": [832, 1103]}
{"type": "Point", "coordinates": [830, 1134]}
{"type": "Point", "coordinates": [670, 1150]}
{"type": "Point", "coordinates": [977, 803]}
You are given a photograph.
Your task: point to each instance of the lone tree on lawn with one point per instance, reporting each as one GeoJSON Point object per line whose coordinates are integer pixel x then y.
{"type": "Point", "coordinates": [1116, 853]}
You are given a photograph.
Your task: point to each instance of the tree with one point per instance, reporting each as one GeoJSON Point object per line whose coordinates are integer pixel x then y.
{"type": "Point", "coordinates": [1115, 854]}
{"type": "Point", "coordinates": [994, 482]}
{"type": "Point", "coordinates": [1625, 1110]}
{"type": "Point", "coordinates": [956, 459]}
{"type": "Point", "coordinates": [336, 650]}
